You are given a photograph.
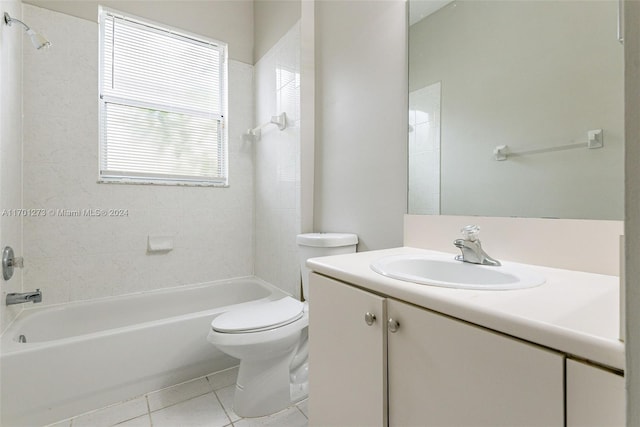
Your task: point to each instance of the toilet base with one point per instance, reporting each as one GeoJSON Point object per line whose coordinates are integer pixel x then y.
{"type": "Point", "coordinates": [263, 387]}
{"type": "Point", "coordinates": [271, 361]}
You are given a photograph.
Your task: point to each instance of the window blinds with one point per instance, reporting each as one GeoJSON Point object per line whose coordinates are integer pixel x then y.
{"type": "Point", "coordinates": [162, 96]}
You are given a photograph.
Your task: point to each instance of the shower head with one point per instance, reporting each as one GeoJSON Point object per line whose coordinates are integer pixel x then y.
{"type": "Point", "coordinates": [37, 40]}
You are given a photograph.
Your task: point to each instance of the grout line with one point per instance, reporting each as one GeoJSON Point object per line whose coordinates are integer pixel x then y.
{"type": "Point", "coordinates": [209, 382]}
{"type": "Point", "coordinates": [206, 379]}
{"type": "Point", "coordinates": [182, 401]}
{"type": "Point", "coordinates": [303, 414]}
{"type": "Point", "coordinates": [146, 398]}
{"type": "Point", "coordinates": [112, 406]}
{"type": "Point", "coordinates": [220, 372]}
{"type": "Point", "coordinates": [179, 402]}
{"type": "Point", "coordinates": [223, 408]}
{"type": "Point", "coordinates": [182, 383]}
{"type": "Point", "coordinates": [129, 419]}
{"type": "Point", "coordinates": [139, 416]}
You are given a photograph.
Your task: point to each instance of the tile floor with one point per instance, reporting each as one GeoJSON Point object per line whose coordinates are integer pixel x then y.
{"type": "Point", "coordinates": [206, 401]}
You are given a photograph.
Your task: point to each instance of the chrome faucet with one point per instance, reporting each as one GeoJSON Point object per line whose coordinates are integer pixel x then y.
{"type": "Point", "coordinates": [472, 249]}
{"type": "Point", "coordinates": [20, 298]}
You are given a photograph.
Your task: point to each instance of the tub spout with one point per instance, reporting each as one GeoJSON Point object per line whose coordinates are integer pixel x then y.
{"type": "Point", "coordinates": [20, 298]}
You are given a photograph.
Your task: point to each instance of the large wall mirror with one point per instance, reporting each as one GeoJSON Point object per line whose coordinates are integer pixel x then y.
{"type": "Point", "coordinates": [516, 109]}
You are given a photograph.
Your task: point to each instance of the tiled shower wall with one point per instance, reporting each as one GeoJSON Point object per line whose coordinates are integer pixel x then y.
{"type": "Point", "coordinates": [277, 162]}
{"type": "Point", "coordinates": [75, 258]}
{"type": "Point", "coordinates": [11, 151]}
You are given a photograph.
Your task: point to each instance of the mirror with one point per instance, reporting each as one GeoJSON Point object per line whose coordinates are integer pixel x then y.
{"type": "Point", "coordinates": [516, 109]}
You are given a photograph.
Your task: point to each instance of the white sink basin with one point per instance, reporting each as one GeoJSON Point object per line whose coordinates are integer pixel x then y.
{"type": "Point", "coordinates": [446, 272]}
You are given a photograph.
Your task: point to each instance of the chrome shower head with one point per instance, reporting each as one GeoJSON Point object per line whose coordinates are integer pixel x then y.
{"type": "Point", "coordinates": [37, 40]}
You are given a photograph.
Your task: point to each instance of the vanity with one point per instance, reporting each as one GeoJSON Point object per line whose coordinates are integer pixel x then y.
{"type": "Point", "coordinates": [390, 352]}
{"type": "Point", "coordinates": [512, 126]}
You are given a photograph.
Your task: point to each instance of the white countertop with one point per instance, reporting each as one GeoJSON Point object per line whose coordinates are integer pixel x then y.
{"type": "Point", "coordinates": [573, 312]}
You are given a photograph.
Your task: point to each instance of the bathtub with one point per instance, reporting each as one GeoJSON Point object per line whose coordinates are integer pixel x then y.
{"type": "Point", "coordinates": [86, 355]}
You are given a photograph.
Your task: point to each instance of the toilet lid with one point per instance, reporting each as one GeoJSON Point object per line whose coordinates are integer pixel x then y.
{"type": "Point", "coordinates": [259, 317]}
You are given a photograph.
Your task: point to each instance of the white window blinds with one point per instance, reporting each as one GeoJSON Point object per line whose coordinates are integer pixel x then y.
{"type": "Point", "coordinates": [162, 97]}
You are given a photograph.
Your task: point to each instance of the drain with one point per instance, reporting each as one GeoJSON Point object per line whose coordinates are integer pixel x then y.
{"type": "Point", "coordinates": [22, 338]}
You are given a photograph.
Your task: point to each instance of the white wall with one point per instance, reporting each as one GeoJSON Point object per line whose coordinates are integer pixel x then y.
{"type": "Point", "coordinates": [526, 74]}
{"type": "Point", "coordinates": [307, 114]}
{"type": "Point", "coordinates": [273, 19]}
{"type": "Point", "coordinates": [632, 208]}
{"type": "Point", "coordinates": [277, 163]}
{"type": "Point", "coordinates": [10, 150]}
{"type": "Point", "coordinates": [361, 120]}
{"type": "Point", "coordinates": [75, 258]}
{"type": "Point", "coordinates": [230, 21]}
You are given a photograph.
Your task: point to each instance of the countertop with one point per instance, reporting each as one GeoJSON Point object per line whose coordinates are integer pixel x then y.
{"type": "Point", "coordinates": [573, 312]}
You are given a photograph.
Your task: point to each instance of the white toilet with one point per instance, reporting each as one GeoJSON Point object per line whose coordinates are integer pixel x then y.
{"type": "Point", "coordinates": [270, 339]}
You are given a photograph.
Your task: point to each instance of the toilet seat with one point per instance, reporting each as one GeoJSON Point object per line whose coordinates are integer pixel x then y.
{"type": "Point", "coordinates": [260, 317]}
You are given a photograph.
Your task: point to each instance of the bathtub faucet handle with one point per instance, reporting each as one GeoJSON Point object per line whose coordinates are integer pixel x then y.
{"type": "Point", "coordinates": [9, 261]}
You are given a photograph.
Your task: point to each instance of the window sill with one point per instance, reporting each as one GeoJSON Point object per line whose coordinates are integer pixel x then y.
{"type": "Point", "coordinates": [124, 181]}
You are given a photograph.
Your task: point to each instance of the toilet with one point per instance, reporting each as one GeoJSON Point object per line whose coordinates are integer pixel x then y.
{"type": "Point", "coordinates": [270, 338]}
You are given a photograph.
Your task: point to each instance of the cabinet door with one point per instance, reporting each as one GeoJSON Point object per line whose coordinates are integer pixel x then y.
{"type": "Point", "coordinates": [347, 356]}
{"type": "Point", "coordinates": [445, 372]}
{"type": "Point", "coordinates": [595, 397]}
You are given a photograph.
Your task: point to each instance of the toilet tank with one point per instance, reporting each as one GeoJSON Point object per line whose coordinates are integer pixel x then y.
{"type": "Point", "coordinates": [311, 245]}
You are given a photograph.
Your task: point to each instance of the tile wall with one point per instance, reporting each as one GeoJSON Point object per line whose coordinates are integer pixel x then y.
{"type": "Point", "coordinates": [11, 151]}
{"type": "Point", "coordinates": [277, 162]}
{"type": "Point", "coordinates": [76, 258]}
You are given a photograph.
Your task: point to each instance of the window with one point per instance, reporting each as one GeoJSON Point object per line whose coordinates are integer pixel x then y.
{"type": "Point", "coordinates": [162, 104]}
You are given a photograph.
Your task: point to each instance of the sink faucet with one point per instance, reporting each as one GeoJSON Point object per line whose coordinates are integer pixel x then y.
{"type": "Point", "coordinates": [472, 249]}
{"type": "Point", "coordinates": [20, 298]}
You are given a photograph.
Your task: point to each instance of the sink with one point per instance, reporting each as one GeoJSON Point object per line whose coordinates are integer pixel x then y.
{"type": "Point", "coordinates": [444, 271]}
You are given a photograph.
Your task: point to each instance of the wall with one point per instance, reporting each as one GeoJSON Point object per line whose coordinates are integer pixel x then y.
{"type": "Point", "coordinates": [507, 82]}
{"type": "Point", "coordinates": [11, 150]}
{"type": "Point", "coordinates": [75, 258]}
{"type": "Point", "coordinates": [307, 114]}
{"type": "Point", "coordinates": [229, 21]}
{"type": "Point", "coordinates": [273, 19]}
{"type": "Point", "coordinates": [361, 120]}
{"type": "Point", "coordinates": [632, 208]}
{"type": "Point", "coordinates": [277, 164]}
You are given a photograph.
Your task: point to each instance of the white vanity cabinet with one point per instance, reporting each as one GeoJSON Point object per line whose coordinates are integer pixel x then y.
{"type": "Point", "coordinates": [440, 371]}
{"type": "Point", "coordinates": [595, 397]}
{"type": "Point", "coordinates": [348, 378]}
{"type": "Point", "coordinates": [445, 372]}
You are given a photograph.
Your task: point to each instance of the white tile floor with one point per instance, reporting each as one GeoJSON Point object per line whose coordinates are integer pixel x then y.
{"type": "Point", "coordinates": [206, 401]}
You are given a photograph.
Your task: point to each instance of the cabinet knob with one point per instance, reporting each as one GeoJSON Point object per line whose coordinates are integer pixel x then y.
{"type": "Point", "coordinates": [393, 325]}
{"type": "Point", "coordinates": [369, 318]}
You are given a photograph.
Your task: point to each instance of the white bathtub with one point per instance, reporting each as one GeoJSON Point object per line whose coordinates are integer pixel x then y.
{"type": "Point", "coordinates": [83, 356]}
